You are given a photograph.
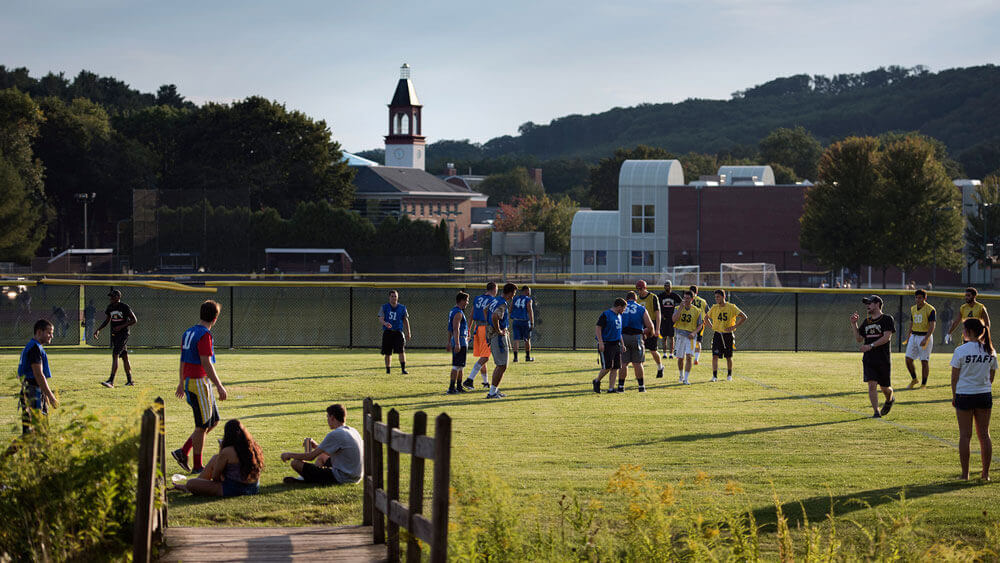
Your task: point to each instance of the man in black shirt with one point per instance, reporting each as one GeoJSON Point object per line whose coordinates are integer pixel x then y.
{"type": "Point", "coordinates": [875, 333]}
{"type": "Point", "coordinates": [121, 317]}
{"type": "Point", "coordinates": [668, 300]}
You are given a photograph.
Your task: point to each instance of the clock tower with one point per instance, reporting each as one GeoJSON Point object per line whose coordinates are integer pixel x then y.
{"type": "Point", "coordinates": [404, 145]}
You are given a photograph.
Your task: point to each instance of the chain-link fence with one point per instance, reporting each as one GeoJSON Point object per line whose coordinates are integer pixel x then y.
{"type": "Point", "coordinates": [346, 316]}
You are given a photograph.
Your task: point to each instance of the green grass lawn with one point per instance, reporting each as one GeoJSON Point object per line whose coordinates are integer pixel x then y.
{"type": "Point", "coordinates": [791, 424]}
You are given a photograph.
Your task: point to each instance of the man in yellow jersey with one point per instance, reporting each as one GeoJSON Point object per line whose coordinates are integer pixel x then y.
{"type": "Point", "coordinates": [651, 302]}
{"type": "Point", "coordinates": [969, 310]}
{"type": "Point", "coordinates": [702, 305]}
{"type": "Point", "coordinates": [920, 340]}
{"type": "Point", "coordinates": [723, 318]}
{"type": "Point", "coordinates": [688, 321]}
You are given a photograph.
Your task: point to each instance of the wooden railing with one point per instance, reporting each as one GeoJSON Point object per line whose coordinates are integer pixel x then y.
{"type": "Point", "coordinates": [150, 521]}
{"type": "Point", "coordinates": [381, 503]}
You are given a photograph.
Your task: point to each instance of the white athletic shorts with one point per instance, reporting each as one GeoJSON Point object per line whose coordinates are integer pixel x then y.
{"type": "Point", "coordinates": [684, 343]}
{"type": "Point", "coordinates": [915, 352]}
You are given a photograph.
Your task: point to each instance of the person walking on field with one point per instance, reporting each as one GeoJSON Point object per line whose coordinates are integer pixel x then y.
{"type": "Point", "coordinates": [971, 309]}
{"type": "Point", "coordinates": [121, 318]}
{"type": "Point", "coordinates": [480, 342]}
{"type": "Point", "coordinates": [669, 300]}
{"type": "Point", "coordinates": [973, 368]}
{"type": "Point", "coordinates": [688, 321]}
{"type": "Point", "coordinates": [874, 334]}
{"type": "Point", "coordinates": [33, 370]}
{"type": "Point", "coordinates": [723, 318]}
{"type": "Point", "coordinates": [394, 320]}
{"type": "Point", "coordinates": [701, 305]}
{"type": "Point", "coordinates": [651, 302]}
{"type": "Point", "coordinates": [498, 312]}
{"type": "Point", "coordinates": [197, 375]}
{"type": "Point", "coordinates": [920, 339]}
{"type": "Point", "coordinates": [609, 344]}
{"type": "Point", "coordinates": [522, 317]}
{"type": "Point", "coordinates": [635, 325]}
{"type": "Point", "coordinates": [458, 342]}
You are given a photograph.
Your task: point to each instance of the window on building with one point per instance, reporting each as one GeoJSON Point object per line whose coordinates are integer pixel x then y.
{"type": "Point", "coordinates": [421, 209]}
{"type": "Point", "coordinates": [602, 257]}
{"type": "Point", "coordinates": [438, 208]}
{"type": "Point", "coordinates": [643, 258]}
{"type": "Point", "coordinates": [588, 257]}
{"type": "Point", "coordinates": [643, 219]}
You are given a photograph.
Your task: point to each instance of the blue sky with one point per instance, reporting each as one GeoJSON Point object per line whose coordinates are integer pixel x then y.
{"type": "Point", "coordinates": [482, 69]}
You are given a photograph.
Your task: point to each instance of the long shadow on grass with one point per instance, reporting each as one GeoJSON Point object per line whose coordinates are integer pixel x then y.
{"type": "Point", "coordinates": [730, 434]}
{"type": "Point", "coordinates": [818, 507]}
{"type": "Point", "coordinates": [799, 397]}
{"type": "Point", "coordinates": [289, 379]}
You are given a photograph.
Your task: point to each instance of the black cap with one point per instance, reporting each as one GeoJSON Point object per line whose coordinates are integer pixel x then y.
{"type": "Point", "coordinates": [114, 293]}
{"type": "Point", "coordinates": [871, 299]}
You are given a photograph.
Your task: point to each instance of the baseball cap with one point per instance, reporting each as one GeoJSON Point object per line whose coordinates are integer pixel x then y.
{"type": "Point", "coordinates": [114, 293]}
{"type": "Point", "coordinates": [871, 299]}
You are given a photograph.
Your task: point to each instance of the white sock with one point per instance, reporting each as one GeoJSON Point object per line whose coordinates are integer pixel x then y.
{"type": "Point", "coordinates": [697, 355]}
{"type": "Point", "coordinates": [493, 389]}
{"type": "Point", "coordinates": [686, 374]}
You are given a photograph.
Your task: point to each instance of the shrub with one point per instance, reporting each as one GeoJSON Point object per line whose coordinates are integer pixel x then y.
{"type": "Point", "coordinates": [67, 492]}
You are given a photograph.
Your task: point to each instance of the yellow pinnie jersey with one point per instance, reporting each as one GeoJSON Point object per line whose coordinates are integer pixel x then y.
{"type": "Point", "coordinates": [723, 317]}
{"type": "Point", "coordinates": [921, 318]}
{"type": "Point", "coordinates": [702, 306]}
{"type": "Point", "coordinates": [975, 310]}
{"type": "Point", "coordinates": [688, 319]}
{"type": "Point", "coordinates": [652, 304]}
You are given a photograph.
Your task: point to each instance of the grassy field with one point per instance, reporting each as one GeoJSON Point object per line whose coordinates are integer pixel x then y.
{"type": "Point", "coordinates": [794, 425]}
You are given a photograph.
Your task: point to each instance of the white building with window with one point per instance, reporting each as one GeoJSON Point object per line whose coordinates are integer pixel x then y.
{"type": "Point", "coordinates": [634, 238]}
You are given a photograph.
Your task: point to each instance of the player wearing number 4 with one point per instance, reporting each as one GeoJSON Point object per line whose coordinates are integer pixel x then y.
{"type": "Point", "coordinates": [920, 340]}
{"type": "Point", "coordinates": [394, 321]}
{"type": "Point", "coordinates": [688, 321]}
{"type": "Point", "coordinates": [971, 309]}
{"type": "Point", "coordinates": [522, 317]}
{"type": "Point", "coordinates": [723, 318]}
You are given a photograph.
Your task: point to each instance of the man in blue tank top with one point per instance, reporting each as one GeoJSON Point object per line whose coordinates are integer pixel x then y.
{"type": "Point", "coordinates": [635, 322]}
{"type": "Point", "coordinates": [522, 317]}
{"type": "Point", "coordinates": [458, 342]}
{"type": "Point", "coordinates": [394, 321]}
{"type": "Point", "coordinates": [498, 312]}
{"type": "Point", "coordinates": [609, 344]}
{"type": "Point", "coordinates": [34, 373]}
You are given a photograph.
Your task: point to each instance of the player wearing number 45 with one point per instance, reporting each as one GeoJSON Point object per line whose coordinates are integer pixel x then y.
{"type": "Point", "coordinates": [920, 340]}
{"type": "Point", "coordinates": [723, 318]}
{"type": "Point", "coordinates": [394, 321]}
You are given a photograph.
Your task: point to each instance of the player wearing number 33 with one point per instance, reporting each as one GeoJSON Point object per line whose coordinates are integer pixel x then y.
{"type": "Point", "coordinates": [723, 318]}
{"type": "Point", "coordinates": [688, 321]}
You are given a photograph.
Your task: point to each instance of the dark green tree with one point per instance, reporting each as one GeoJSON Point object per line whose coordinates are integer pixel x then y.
{"type": "Point", "coordinates": [503, 188]}
{"type": "Point", "coordinates": [554, 217]}
{"type": "Point", "coordinates": [604, 177]}
{"type": "Point", "coordinates": [19, 217]}
{"type": "Point", "coordinates": [20, 119]}
{"type": "Point", "coordinates": [795, 149]}
{"type": "Point", "coordinates": [983, 227]}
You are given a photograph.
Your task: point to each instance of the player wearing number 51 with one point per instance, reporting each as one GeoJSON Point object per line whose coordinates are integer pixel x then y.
{"type": "Point", "coordinates": [394, 321]}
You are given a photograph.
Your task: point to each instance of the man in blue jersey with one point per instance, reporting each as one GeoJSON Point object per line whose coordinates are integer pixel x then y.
{"type": "Point", "coordinates": [394, 321]}
{"type": "Point", "coordinates": [197, 374]}
{"type": "Point", "coordinates": [480, 343]}
{"type": "Point", "coordinates": [34, 373]}
{"type": "Point", "coordinates": [609, 344]}
{"type": "Point", "coordinates": [635, 325]}
{"type": "Point", "coordinates": [499, 314]}
{"type": "Point", "coordinates": [458, 342]}
{"type": "Point", "coordinates": [522, 317]}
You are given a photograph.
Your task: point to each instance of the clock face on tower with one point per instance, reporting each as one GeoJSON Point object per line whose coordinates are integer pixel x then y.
{"type": "Point", "coordinates": [398, 153]}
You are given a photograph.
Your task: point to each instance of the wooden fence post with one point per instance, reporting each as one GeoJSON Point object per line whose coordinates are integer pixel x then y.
{"type": "Point", "coordinates": [142, 534]}
{"type": "Point", "coordinates": [392, 487]}
{"type": "Point", "coordinates": [442, 488]}
{"type": "Point", "coordinates": [366, 437]}
{"type": "Point", "coordinates": [161, 456]}
{"type": "Point", "coordinates": [416, 503]}
{"type": "Point", "coordinates": [378, 519]}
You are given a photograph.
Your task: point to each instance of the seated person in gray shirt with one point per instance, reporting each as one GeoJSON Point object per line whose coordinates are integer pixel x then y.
{"type": "Point", "coordinates": [338, 459]}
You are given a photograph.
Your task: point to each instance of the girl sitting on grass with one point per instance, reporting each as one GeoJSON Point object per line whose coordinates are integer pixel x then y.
{"type": "Point", "coordinates": [234, 471]}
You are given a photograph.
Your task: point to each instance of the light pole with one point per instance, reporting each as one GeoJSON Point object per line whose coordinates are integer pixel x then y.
{"type": "Point", "coordinates": [85, 198]}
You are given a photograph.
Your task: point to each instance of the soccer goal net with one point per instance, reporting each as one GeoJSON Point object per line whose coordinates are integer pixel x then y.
{"type": "Point", "coordinates": [754, 274]}
{"type": "Point", "coordinates": [681, 276]}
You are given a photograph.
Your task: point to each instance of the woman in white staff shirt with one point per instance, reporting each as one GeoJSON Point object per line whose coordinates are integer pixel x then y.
{"type": "Point", "coordinates": [973, 367]}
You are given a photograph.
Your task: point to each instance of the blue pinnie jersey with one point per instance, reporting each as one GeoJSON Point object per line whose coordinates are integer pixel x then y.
{"type": "Point", "coordinates": [492, 307]}
{"type": "Point", "coordinates": [463, 328]}
{"type": "Point", "coordinates": [394, 316]}
{"type": "Point", "coordinates": [632, 316]}
{"type": "Point", "coordinates": [189, 345]}
{"type": "Point", "coordinates": [520, 307]}
{"type": "Point", "coordinates": [479, 308]}
{"type": "Point", "coordinates": [24, 370]}
{"type": "Point", "coordinates": [612, 329]}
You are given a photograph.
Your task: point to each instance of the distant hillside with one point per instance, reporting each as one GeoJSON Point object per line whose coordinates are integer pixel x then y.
{"type": "Point", "coordinates": [957, 106]}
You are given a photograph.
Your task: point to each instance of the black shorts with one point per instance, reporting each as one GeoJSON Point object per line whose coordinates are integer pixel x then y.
{"type": "Point", "coordinates": [877, 372]}
{"type": "Point", "coordinates": [977, 401]}
{"type": "Point", "coordinates": [611, 358]}
{"type": "Point", "coordinates": [723, 344]}
{"type": "Point", "coordinates": [667, 330]}
{"type": "Point", "coordinates": [119, 343]}
{"type": "Point", "coordinates": [392, 341]}
{"type": "Point", "coordinates": [458, 356]}
{"type": "Point", "coordinates": [701, 335]}
{"type": "Point", "coordinates": [651, 342]}
{"type": "Point", "coordinates": [313, 473]}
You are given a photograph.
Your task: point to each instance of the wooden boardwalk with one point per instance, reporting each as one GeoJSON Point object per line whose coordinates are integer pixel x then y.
{"type": "Point", "coordinates": [344, 543]}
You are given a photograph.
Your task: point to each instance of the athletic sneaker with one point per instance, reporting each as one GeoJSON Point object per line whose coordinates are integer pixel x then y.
{"type": "Point", "coordinates": [680, 378]}
{"type": "Point", "coordinates": [108, 384]}
{"type": "Point", "coordinates": [451, 391]}
{"type": "Point", "coordinates": [405, 372]}
{"type": "Point", "coordinates": [460, 389]}
{"type": "Point", "coordinates": [621, 388]}
{"type": "Point", "coordinates": [515, 360]}
{"type": "Point", "coordinates": [642, 388]}
{"type": "Point", "coordinates": [613, 390]}
{"type": "Point", "coordinates": [497, 395]}
{"type": "Point", "coordinates": [887, 406]}
{"type": "Point", "coordinates": [198, 469]}
{"type": "Point", "coordinates": [714, 379]}
{"type": "Point", "coordinates": [486, 385]}
{"type": "Point", "coordinates": [696, 362]}
{"type": "Point", "coordinates": [129, 384]}
{"type": "Point", "coordinates": [685, 381]}
{"type": "Point", "coordinates": [912, 384]}
{"type": "Point", "coordinates": [469, 384]}
{"type": "Point", "coordinates": [729, 378]}
{"type": "Point", "coordinates": [659, 373]}
{"type": "Point", "coordinates": [529, 359]}
{"type": "Point", "coordinates": [597, 386]}
{"type": "Point", "coordinates": [182, 459]}
{"type": "Point", "coordinates": [293, 480]}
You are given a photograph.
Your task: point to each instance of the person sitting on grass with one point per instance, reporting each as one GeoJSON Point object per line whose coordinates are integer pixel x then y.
{"type": "Point", "coordinates": [235, 470]}
{"type": "Point", "coordinates": [338, 459]}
